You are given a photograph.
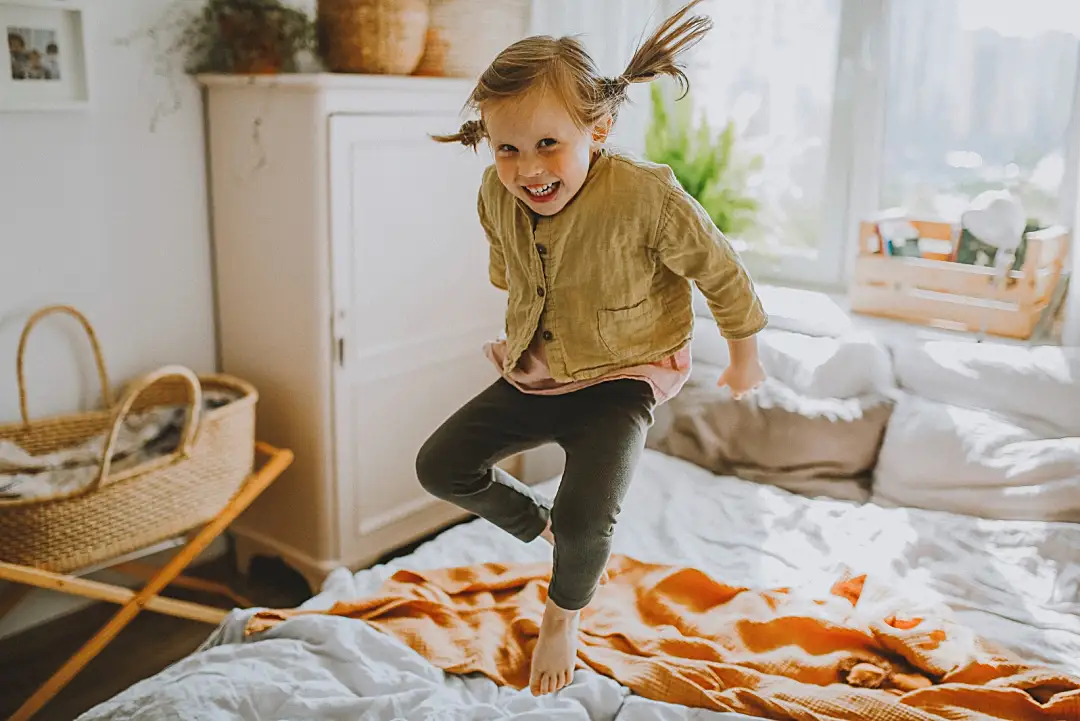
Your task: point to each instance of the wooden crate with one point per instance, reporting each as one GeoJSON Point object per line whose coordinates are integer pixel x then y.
{"type": "Point", "coordinates": [953, 295]}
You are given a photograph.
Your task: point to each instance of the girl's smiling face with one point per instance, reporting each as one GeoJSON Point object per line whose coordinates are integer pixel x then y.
{"type": "Point", "coordinates": [541, 155]}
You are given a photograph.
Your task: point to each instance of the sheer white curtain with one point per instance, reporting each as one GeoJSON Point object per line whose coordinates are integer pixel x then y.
{"type": "Point", "coordinates": [610, 31]}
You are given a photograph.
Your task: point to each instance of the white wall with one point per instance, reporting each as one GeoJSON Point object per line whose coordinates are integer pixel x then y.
{"type": "Point", "coordinates": [101, 213]}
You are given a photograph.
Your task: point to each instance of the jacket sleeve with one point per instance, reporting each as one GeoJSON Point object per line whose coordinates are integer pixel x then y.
{"type": "Point", "coordinates": [496, 258]}
{"type": "Point", "coordinates": [689, 244]}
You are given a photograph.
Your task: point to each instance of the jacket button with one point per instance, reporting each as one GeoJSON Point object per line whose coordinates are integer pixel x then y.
{"type": "Point", "coordinates": [541, 249]}
{"type": "Point", "coordinates": [547, 335]}
{"type": "Point", "coordinates": [540, 291]}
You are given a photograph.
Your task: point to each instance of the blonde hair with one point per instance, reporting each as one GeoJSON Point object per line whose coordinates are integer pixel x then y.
{"type": "Point", "coordinates": [563, 66]}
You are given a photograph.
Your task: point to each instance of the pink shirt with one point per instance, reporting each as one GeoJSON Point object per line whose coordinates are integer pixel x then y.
{"type": "Point", "coordinates": [531, 375]}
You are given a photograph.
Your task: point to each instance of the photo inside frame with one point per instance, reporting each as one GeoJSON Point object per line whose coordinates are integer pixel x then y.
{"type": "Point", "coordinates": [34, 53]}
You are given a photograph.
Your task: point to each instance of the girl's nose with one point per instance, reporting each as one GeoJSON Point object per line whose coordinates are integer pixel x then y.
{"type": "Point", "coordinates": [530, 167]}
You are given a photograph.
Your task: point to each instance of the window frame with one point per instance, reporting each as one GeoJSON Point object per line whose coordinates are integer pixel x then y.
{"type": "Point", "coordinates": [855, 134]}
{"type": "Point", "coordinates": [864, 50]}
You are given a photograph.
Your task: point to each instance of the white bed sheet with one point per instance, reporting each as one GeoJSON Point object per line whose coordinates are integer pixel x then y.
{"type": "Point", "coordinates": [1015, 582]}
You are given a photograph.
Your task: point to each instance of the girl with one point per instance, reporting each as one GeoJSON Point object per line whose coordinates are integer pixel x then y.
{"type": "Point", "coordinates": [596, 251]}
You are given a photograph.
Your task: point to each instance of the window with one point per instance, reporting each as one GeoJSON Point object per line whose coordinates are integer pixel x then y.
{"type": "Point", "coordinates": [855, 106]}
{"type": "Point", "coordinates": [979, 96]}
{"type": "Point", "coordinates": [770, 66]}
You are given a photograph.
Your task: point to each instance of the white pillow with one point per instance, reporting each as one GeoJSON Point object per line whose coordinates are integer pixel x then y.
{"type": "Point", "coordinates": [819, 367]}
{"type": "Point", "coordinates": [853, 365]}
{"type": "Point", "coordinates": [1036, 384]}
{"type": "Point", "coordinates": [794, 309]}
{"type": "Point", "coordinates": [975, 462]}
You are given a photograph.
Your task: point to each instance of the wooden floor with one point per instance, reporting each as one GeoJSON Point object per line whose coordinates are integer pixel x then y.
{"type": "Point", "coordinates": [149, 644]}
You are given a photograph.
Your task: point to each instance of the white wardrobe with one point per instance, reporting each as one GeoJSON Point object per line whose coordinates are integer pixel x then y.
{"type": "Point", "coordinates": [352, 290]}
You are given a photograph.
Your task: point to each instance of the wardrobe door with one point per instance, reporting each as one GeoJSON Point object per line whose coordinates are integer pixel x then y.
{"type": "Point", "coordinates": [412, 309]}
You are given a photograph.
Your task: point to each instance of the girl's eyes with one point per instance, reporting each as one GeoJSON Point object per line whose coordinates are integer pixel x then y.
{"type": "Point", "coordinates": [545, 144]}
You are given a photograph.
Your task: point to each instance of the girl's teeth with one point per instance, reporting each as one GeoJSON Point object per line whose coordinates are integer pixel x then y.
{"type": "Point", "coordinates": [542, 190]}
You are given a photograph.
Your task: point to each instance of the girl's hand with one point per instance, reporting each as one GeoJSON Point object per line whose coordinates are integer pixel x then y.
{"type": "Point", "coordinates": [742, 377]}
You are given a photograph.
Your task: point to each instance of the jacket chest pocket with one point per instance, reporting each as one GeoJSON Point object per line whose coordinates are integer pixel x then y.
{"type": "Point", "coordinates": [629, 331]}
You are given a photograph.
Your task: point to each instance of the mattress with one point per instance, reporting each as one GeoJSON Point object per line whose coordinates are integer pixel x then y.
{"type": "Point", "coordinates": [1015, 582]}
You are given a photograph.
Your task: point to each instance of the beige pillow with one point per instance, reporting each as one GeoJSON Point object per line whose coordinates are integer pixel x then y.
{"type": "Point", "coordinates": [811, 446]}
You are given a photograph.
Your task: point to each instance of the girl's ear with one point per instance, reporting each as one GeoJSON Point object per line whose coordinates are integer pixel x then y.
{"type": "Point", "coordinates": [602, 128]}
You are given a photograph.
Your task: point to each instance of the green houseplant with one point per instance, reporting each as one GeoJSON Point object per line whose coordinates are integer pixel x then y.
{"type": "Point", "coordinates": [706, 164]}
{"type": "Point", "coordinates": [245, 36]}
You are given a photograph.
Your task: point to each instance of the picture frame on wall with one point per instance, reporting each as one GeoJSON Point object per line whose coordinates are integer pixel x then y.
{"type": "Point", "coordinates": [46, 66]}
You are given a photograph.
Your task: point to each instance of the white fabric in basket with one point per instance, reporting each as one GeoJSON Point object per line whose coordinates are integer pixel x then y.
{"type": "Point", "coordinates": [143, 437]}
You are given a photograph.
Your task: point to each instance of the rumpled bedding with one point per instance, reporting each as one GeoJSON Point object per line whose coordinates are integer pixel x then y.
{"type": "Point", "coordinates": [676, 635]}
{"type": "Point", "coordinates": [1016, 583]}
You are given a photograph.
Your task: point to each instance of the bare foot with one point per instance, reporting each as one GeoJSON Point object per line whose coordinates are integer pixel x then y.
{"type": "Point", "coordinates": [556, 651]}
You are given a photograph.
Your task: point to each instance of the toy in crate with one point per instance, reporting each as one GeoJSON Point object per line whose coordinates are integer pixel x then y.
{"type": "Point", "coordinates": [993, 272]}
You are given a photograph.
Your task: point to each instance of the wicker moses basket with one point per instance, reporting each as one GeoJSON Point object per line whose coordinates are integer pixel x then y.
{"type": "Point", "coordinates": [121, 512]}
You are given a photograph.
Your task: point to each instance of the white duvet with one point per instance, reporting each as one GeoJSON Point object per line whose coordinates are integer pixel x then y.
{"type": "Point", "coordinates": [1015, 582]}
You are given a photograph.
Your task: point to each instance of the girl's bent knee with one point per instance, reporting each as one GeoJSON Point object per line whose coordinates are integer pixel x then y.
{"type": "Point", "coordinates": [432, 469]}
{"type": "Point", "coordinates": [447, 473]}
{"type": "Point", "coordinates": [581, 526]}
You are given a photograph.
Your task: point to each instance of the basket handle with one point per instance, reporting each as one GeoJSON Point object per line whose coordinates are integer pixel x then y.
{"type": "Point", "coordinates": [106, 391]}
{"type": "Point", "coordinates": [187, 436]}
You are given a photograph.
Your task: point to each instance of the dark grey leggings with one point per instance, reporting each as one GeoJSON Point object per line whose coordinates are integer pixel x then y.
{"type": "Point", "coordinates": [601, 428]}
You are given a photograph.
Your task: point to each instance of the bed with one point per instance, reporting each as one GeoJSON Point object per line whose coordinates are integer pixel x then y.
{"type": "Point", "coordinates": [1014, 581]}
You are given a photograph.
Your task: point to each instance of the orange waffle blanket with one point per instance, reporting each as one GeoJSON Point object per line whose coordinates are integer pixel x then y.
{"type": "Point", "coordinates": [674, 634]}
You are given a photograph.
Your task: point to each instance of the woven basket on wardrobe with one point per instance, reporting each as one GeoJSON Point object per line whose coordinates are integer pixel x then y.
{"type": "Point", "coordinates": [372, 36]}
{"type": "Point", "coordinates": [126, 511]}
{"type": "Point", "coordinates": [464, 36]}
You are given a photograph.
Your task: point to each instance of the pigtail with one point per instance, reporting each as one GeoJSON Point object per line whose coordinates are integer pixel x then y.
{"type": "Point", "coordinates": [659, 55]}
{"type": "Point", "coordinates": [471, 134]}
{"type": "Point", "coordinates": [562, 65]}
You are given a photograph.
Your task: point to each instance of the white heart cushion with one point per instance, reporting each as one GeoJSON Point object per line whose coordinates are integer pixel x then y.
{"type": "Point", "coordinates": [996, 217]}
{"type": "Point", "coordinates": [964, 460]}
